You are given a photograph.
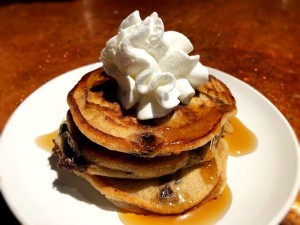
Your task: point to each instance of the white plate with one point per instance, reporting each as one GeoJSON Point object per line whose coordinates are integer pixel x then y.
{"type": "Point", "coordinates": [263, 184]}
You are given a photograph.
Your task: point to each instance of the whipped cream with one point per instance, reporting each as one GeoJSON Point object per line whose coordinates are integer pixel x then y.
{"type": "Point", "coordinates": [152, 67]}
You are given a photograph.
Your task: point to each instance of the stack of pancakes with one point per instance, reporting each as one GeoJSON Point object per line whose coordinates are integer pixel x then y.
{"type": "Point", "coordinates": [166, 165]}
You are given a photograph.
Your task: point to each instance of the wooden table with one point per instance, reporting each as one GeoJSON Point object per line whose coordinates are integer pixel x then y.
{"type": "Point", "coordinates": [255, 41]}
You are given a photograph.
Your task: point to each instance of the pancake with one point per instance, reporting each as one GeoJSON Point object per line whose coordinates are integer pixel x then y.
{"type": "Point", "coordinates": [166, 165]}
{"type": "Point", "coordinates": [95, 109]}
{"type": "Point", "coordinates": [171, 194]}
{"type": "Point", "coordinates": [77, 152]}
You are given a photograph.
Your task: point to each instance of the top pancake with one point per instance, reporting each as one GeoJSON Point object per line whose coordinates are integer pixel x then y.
{"type": "Point", "coordinates": [96, 111]}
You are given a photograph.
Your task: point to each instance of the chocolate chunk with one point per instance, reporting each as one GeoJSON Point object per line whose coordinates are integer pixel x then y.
{"type": "Point", "coordinates": [165, 192]}
{"type": "Point", "coordinates": [148, 142]}
{"type": "Point", "coordinates": [148, 138]}
{"type": "Point", "coordinates": [67, 151]}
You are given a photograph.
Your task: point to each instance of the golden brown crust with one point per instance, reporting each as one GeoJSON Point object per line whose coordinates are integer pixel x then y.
{"type": "Point", "coordinates": [103, 121]}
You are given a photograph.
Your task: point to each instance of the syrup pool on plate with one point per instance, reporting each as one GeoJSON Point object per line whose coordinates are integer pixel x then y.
{"type": "Point", "coordinates": [241, 141]}
{"type": "Point", "coordinates": [46, 141]}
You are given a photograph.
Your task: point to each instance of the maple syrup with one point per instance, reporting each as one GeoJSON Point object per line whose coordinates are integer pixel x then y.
{"type": "Point", "coordinates": [46, 141]}
{"type": "Point", "coordinates": [209, 213]}
{"type": "Point", "coordinates": [208, 172]}
{"type": "Point", "coordinates": [241, 141]}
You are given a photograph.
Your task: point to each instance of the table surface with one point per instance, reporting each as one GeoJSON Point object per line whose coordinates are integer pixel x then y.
{"type": "Point", "coordinates": [255, 41]}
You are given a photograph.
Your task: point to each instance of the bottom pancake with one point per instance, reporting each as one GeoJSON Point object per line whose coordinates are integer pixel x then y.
{"type": "Point", "coordinates": [170, 194]}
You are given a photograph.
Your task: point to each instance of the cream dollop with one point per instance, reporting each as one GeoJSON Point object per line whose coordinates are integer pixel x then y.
{"type": "Point", "coordinates": [152, 67]}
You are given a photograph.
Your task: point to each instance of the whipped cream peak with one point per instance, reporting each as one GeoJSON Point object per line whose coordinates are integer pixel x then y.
{"type": "Point", "coordinates": [152, 67]}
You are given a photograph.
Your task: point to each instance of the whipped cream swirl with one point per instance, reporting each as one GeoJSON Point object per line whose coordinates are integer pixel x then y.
{"type": "Point", "coordinates": [152, 67]}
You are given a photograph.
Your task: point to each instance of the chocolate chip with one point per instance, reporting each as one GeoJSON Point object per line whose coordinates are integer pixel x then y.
{"type": "Point", "coordinates": [148, 138]}
{"type": "Point", "coordinates": [67, 151]}
{"type": "Point", "coordinates": [165, 192]}
{"type": "Point", "coordinates": [148, 143]}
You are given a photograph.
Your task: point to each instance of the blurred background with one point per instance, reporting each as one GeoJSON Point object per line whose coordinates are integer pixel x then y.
{"type": "Point", "coordinates": [256, 41]}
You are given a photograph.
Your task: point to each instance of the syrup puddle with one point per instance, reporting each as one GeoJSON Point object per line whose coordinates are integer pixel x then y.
{"type": "Point", "coordinates": [241, 141]}
{"type": "Point", "coordinates": [46, 141]}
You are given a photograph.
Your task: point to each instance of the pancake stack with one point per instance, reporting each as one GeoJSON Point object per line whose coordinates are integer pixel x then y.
{"type": "Point", "coordinates": [165, 165]}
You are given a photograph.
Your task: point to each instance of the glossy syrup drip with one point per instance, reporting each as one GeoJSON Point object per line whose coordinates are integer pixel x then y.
{"type": "Point", "coordinates": [241, 141]}
{"type": "Point", "coordinates": [46, 141]}
{"type": "Point", "coordinates": [208, 172]}
{"type": "Point", "coordinates": [209, 213]}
